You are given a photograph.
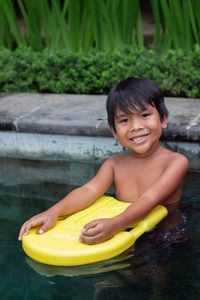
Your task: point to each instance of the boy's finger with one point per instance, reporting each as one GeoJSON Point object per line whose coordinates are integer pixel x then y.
{"type": "Point", "coordinates": [27, 226]}
{"type": "Point", "coordinates": [23, 231]}
{"type": "Point", "coordinates": [45, 227]}
{"type": "Point", "coordinates": [91, 240]}
{"type": "Point", "coordinates": [90, 231]}
{"type": "Point", "coordinates": [90, 225]}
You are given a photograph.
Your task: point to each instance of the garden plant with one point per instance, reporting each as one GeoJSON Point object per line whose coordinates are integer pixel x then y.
{"type": "Point", "coordinates": [85, 46]}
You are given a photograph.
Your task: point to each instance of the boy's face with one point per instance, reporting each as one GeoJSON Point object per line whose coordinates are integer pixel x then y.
{"type": "Point", "coordinates": [139, 130]}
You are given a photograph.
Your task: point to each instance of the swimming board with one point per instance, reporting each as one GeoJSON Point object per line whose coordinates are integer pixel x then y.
{"type": "Point", "coordinates": [60, 245]}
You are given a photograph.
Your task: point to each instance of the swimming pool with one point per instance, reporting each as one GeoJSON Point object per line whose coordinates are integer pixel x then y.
{"type": "Point", "coordinates": [145, 272]}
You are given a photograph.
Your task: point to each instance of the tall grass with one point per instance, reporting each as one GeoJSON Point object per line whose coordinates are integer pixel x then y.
{"type": "Point", "coordinates": [76, 25]}
{"type": "Point", "coordinates": [9, 30]}
{"type": "Point", "coordinates": [177, 24]}
{"type": "Point", "coordinates": [81, 25]}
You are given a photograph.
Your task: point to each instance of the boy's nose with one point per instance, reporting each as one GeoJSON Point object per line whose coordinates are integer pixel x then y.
{"type": "Point", "coordinates": [135, 125]}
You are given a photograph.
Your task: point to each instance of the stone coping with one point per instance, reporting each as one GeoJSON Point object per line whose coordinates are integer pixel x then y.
{"type": "Point", "coordinates": [85, 115]}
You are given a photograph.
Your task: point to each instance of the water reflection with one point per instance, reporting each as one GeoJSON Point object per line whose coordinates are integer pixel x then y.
{"type": "Point", "coordinates": [145, 272]}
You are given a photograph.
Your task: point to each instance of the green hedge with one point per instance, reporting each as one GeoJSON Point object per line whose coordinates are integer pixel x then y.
{"type": "Point", "coordinates": [24, 70]}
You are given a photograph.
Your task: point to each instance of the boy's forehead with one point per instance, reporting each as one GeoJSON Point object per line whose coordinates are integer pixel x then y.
{"type": "Point", "coordinates": [133, 110]}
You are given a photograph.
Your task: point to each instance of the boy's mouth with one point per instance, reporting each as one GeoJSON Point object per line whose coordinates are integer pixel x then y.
{"type": "Point", "coordinates": [140, 138]}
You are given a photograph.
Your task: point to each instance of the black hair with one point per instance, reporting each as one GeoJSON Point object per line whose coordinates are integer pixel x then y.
{"type": "Point", "coordinates": [134, 93]}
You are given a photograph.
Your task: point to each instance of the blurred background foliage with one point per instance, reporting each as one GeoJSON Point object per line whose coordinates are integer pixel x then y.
{"type": "Point", "coordinates": [86, 46]}
{"type": "Point", "coordinates": [176, 72]}
{"type": "Point", "coordinates": [82, 25]}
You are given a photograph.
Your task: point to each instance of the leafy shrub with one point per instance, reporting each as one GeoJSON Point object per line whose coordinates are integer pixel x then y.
{"type": "Point", "coordinates": [177, 72]}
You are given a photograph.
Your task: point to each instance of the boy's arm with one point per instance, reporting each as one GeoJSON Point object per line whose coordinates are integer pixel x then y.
{"type": "Point", "coordinates": [168, 183]}
{"type": "Point", "coordinates": [172, 177]}
{"type": "Point", "coordinates": [84, 196]}
{"type": "Point", "coordinates": [75, 201]}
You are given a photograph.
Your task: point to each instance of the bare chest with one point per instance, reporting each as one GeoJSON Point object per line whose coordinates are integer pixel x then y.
{"type": "Point", "coordinates": [134, 179]}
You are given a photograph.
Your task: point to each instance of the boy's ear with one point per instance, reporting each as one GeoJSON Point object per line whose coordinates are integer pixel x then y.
{"type": "Point", "coordinates": [165, 122]}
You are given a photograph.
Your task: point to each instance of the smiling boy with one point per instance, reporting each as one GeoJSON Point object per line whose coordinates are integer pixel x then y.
{"type": "Point", "coordinates": [149, 175]}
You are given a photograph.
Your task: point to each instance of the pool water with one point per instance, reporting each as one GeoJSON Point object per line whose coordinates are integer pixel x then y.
{"type": "Point", "coordinates": [145, 272]}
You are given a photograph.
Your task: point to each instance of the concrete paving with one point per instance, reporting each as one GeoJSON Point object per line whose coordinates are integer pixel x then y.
{"type": "Point", "coordinates": [74, 128]}
{"type": "Point", "coordinates": [86, 115]}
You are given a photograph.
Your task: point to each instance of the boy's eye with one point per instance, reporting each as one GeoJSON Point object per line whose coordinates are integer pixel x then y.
{"type": "Point", "coordinates": [145, 115]}
{"type": "Point", "coordinates": [124, 120]}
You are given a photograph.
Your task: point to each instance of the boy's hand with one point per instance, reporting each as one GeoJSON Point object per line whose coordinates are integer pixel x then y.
{"type": "Point", "coordinates": [98, 231]}
{"type": "Point", "coordinates": [45, 219]}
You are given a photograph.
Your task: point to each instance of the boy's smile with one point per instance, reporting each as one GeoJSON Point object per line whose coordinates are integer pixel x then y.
{"type": "Point", "coordinates": [139, 138]}
{"type": "Point", "coordinates": [139, 130]}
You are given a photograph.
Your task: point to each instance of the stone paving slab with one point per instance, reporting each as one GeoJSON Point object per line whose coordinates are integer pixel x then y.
{"type": "Point", "coordinates": [86, 115]}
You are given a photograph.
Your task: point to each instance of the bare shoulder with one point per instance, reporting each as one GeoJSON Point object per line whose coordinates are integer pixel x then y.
{"type": "Point", "coordinates": [116, 159]}
{"type": "Point", "coordinates": [177, 159]}
{"type": "Point", "coordinates": [111, 161]}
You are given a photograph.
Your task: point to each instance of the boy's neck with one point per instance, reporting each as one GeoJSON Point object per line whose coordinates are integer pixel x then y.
{"type": "Point", "coordinates": [150, 154]}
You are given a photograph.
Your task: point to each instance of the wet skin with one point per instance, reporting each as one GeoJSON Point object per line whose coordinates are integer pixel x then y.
{"type": "Point", "coordinates": [148, 176]}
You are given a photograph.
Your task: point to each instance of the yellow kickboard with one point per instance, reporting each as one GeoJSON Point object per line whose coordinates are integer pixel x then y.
{"type": "Point", "coordinates": [60, 245]}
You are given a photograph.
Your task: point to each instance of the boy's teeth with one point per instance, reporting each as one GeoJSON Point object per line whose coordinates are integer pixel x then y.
{"type": "Point", "coordinates": [139, 138]}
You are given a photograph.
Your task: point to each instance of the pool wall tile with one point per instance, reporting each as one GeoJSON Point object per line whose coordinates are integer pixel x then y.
{"type": "Point", "coordinates": [46, 147]}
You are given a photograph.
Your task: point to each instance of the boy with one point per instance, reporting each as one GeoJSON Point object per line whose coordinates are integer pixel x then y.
{"type": "Point", "coordinates": [149, 175]}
